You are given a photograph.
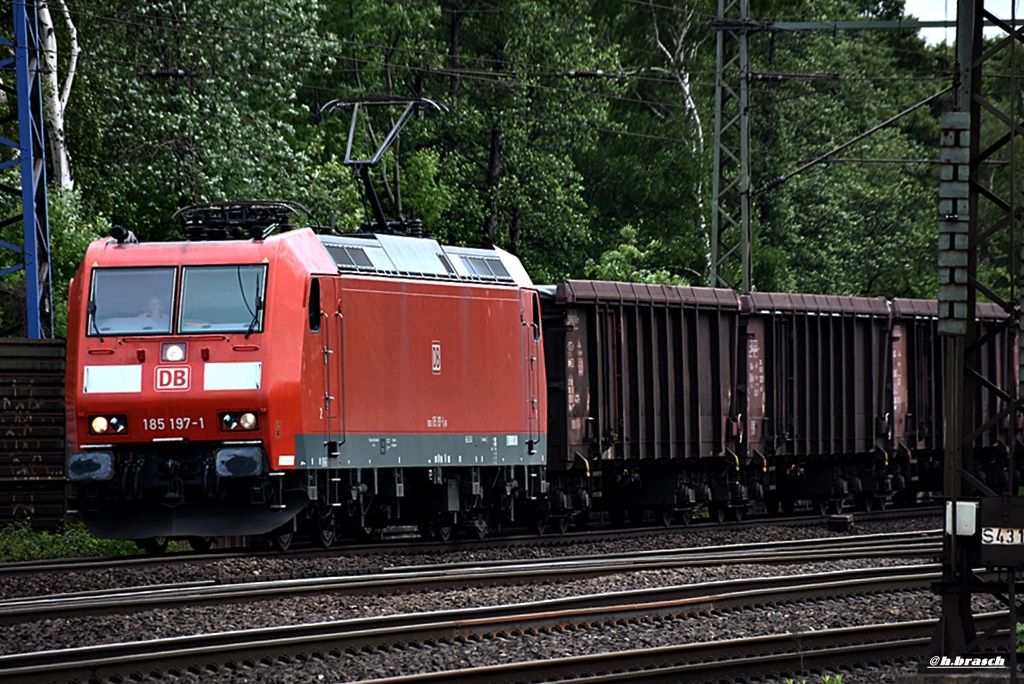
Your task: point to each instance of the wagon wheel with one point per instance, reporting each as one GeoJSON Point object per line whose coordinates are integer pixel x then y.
{"type": "Point", "coordinates": [563, 523]}
{"type": "Point", "coordinates": [666, 516]}
{"type": "Point", "coordinates": [739, 512]}
{"type": "Point", "coordinates": [480, 527]}
{"type": "Point", "coordinates": [152, 545]}
{"type": "Point", "coordinates": [539, 524]}
{"type": "Point", "coordinates": [836, 507]}
{"type": "Point", "coordinates": [868, 503]}
{"type": "Point", "coordinates": [444, 529]}
{"type": "Point", "coordinates": [822, 505]}
{"type": "Point", "coordinates": [326, 532]}
{"type": "Point", "coordinates": [718, 512]}
{"type": "Point", "coordinates": [686, 516]}
{"type": "Point", "coordinates": [201, 544]}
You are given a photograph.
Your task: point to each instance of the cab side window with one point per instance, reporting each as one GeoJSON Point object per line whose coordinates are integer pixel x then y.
{"type": "Point", "coordinates": [314, 305]}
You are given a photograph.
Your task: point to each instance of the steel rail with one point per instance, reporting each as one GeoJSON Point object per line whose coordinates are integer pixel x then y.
{"type": "Point", "coordinates": [408, 544]}
{"type": "Point", "coordinates": [442, 626]}
{"type": "Point", "coordinates": [434, 577]}
{"type": "Point", "coordinates": [773, 655]}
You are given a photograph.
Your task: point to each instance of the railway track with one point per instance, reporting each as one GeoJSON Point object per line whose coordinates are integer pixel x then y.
{"type": "Point", "coordinates": [734, 659]}
{"type": "Point", "coordinates": [411, 543]}
{"type": "Point", "coordinates": [435, 577]}
{"type": "Point", "coordinates": [209, 653]}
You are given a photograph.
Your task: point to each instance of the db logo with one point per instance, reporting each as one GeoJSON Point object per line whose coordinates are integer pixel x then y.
{"type": "Point", "coordinates": [435, 357]}
{"type": "Point", "coordinates": [173, 378]}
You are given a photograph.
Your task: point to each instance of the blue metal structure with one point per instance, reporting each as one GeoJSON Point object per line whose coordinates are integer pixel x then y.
{"type": "Point", "coordinates": [30, 157]}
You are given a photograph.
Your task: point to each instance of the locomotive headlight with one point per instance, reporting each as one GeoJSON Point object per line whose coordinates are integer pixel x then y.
{"type": "Point", "coordinates": [173, 351]}
{"type": "Point", "coordinates": [239, 420]}
{"type": "Point", "coordinates": [110, 424]}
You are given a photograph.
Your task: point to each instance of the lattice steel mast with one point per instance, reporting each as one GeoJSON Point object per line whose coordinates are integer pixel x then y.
{"type": "Point", "coordinates": [976, 213]}
{"type": "Point", "coordinates": [29, 157]}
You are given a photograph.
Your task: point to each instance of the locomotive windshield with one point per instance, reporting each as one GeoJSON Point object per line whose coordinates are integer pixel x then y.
{"type": "Point", "coordinates": [131, 301]}
{"type": "Point", "coordinates": [214, 299]}
{"type": "Point", "coordinates": [222, 299]}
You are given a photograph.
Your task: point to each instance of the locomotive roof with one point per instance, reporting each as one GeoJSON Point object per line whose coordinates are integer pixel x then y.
{"type": "Point", "coordinates": [418, 257]}
{"type": "Point", "coordinates": [369, 254]}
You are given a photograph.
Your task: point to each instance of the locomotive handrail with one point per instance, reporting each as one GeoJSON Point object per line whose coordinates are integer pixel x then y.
{"type": "Point", "coordinates": [344, 411]}
{"type": "Point", "coordinates": [328, 398]}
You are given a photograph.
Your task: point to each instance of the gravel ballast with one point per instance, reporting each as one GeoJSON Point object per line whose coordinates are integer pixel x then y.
{"type": "Point", "coordinates": [160, 623]}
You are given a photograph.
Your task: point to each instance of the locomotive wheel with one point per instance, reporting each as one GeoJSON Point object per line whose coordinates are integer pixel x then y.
{"type": "Point", "coordinates": [152, 545]}
{"type": "Point", "coordinates": [282, 541]}
{"type": "Point", "coordinates": [444, 529]}
{"type": "Point", "coordinates": [326, 532]}
{"type": "Point", "coordinates": [201, 544]}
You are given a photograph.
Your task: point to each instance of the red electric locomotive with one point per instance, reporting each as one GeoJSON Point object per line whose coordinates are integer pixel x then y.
{"type": "Point", "coordinates": [261, 386]}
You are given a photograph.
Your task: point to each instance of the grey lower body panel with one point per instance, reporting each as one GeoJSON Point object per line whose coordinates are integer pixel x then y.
{"type": "Point", "coordinates": [419, 450]}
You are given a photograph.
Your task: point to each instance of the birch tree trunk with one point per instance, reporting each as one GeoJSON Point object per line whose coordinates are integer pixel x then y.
{"type": "Point", "coordinates": [680, 50]}
{"type": "Point", "coordinates": [55, 97]}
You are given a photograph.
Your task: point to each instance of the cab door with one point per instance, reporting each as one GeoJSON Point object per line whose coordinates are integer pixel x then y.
{"type": "Point", "coordinates": [325, 321]}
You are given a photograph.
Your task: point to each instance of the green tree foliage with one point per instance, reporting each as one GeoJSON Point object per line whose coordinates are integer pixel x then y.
{"type": "Point", "coordinates": [631, 263]}
{"type": "Point", "coordinates": [72, 228]}
{"type": "Point", "coordinates": [864, 221]}
{"type": "Point", "coordinates": [575, 133]}
{"type": "Point", "coordinates": [652, 168]}
{"type": "Point", "coordinates": [192, 102]}
{"type": "Point", "coordinates": [501, 159]}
